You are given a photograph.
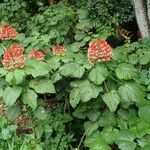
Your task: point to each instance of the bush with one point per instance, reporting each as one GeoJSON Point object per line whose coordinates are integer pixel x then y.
{"type": "Point", "coordinates": [63, 86]}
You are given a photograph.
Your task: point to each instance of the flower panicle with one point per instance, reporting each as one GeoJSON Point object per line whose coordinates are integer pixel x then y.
{"type": "Point", "coordinates": [99, 50]}
{"type": "Point", "coordinates": [38, 55]}
{"type": "Point", "coordinates": [7, 32]}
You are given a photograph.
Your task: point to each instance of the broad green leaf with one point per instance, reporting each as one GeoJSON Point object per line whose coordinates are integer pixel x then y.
{"type": "Point", "coordinates": [36, 68]}
{"type": "Point", "coordinates": [98, 74]}
{"type": "Point", "coordinates": [119, 54]}
{"type": "Point", "coordinates": [30, 98]}
{"type": "Point", "coordinates": [132, 92]}
{"type": "Point", "coordinates": [75, 97]}
{"type": "Point", "coordinates": [13, 112]}
{"type": "Point", "coordinates": [125, 140]}
{"type": "Point", "coordinates": [93, 114]}
{"type": "Point", "coordinates": [9, 77]}
{"type": "Point", "coordinates": [72, 69]}
{"type": "Point", "coordinates": [42, 86]}
{"type": "Point", "coordinates": [11, 94]}
{"type": "Point", "coordinates": [112, 99]}
{"type": "Point", "coordinates": [96, 142]}
{"type": "Point", "coordinates": [90, 127]}
{"type": "Point", "coordinates": [133, 59]}
{"type": "Point", "coordinates": [126, 71]}
{"type": "Point", "coordinates": [107, 119]}
{"type": "Point", "coordinates": [88, 91]}
{"type": "Point", "coordinates": [144, 113]}
{"type": "Point", "coordinates": [53, 62]}
{"type": "Point", "coordinates": [15, 77]}
{"type": "Point", "coordinates": [40, 113]}
{"type": "Point", "coordinates": [19, 75]}
{"type": "Point", "coordinates": [84, 91]}
{"type": "Point", "coordinates": [3, 72]}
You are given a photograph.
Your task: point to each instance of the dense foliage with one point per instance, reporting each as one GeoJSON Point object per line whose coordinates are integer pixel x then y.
{"type": "Point", "coordinates": [59, 90]}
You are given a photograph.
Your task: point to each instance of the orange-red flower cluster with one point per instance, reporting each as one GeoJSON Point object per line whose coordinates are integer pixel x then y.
{"type": "Point", "coordinates": [7, 32]}
{"type": "Point", "coordinates": [58, 50]}
{"type": "Point", "coordinates": [13, 57]}
{"type": "Point", "coordinates": [37, 55]}
{"type": "Point", "coordinates": [99, 50]}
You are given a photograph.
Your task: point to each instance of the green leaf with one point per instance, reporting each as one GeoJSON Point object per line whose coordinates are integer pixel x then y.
{"type": "Point", "coordinates": [15, 77]}
{"type": "Point", "coordinates": [74, 97]}
{"type": "Point", "coordinates": [88, 91]}
{"type": "Point", "coordinates": [19, 75]}
{"type": "Point", "coordinates": [13, 112]}
{"type": "Point", "coordinates": [90, 127]}
{"type": "Point", "coordinates": [11, 94]}
{"type": "Point", "coordinates": [96, 142]}
{"type": "Point", "coordinates": [72, 69]}
{"type": "Point", "coordinates": [40, 113]}
{"type": "Point", "coordinates": [125, 139]}
{"type": "Point", "coordinates": [36, 68]}
{"type": "Point", "coordinates": [144, 113]}
{"type": "Point", "coordinates": [132, 92]}
{"type": "Point", "coordinates": [112, 99]}
{"type": "Point", "coordinates": [3, 72]}
{"type": "Point", "coordinates": [98, 74]}
{"type": "Point", "coordinates": [126, 71]}
{"type": "Point", "coordinates": [30, 98]}
{"type": "Point", "coordinates": [84, 91]}
{"type": "Point", "coordinates": [42, 86]}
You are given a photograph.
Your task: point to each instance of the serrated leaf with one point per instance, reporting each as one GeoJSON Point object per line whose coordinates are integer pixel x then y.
{"type": "Point", "coordinates": [126, 71]}
{"type": "Point", "coordinates": [11, 94]}
{"type": "Point", "coordinates": [13, 112]}
{"type": "Point", "coordinates": [19, 74]}
{"type": "Point", "coordinates": [84, 91]}
{"type": "Point", "coordinates": [72, 69]}
{"type": "Point", "coordinates": [96, 142]}
{"type": "Point", "coordinates": [112, 99]}
{"type": "Point", "coordinates": [36, 68]}
{"type": "Point", "coordinates": [90, 127]}
{"type": "Point", "coordinates": [144, 113]}
{"type": "Point", "coordinates": [88, 90]}
{"type": "Point", "coordinates": [42, 86]}
{"type": "Point", "coordinates": [98, 74]}
{"type": "Point", "coordinates": [132, 92]}
{"type": "Point", "coordinates": [74, 97]}
{"type": "Point", "coordinates": [125, 139]}
{"type": "Point", "coordinates": [40, 113]}
{"type": "Point", "coordinates": [30, 98]}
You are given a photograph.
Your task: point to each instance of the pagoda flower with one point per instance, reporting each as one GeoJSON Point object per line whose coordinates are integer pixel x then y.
{"type": "Point", "coordinates": [11, 60]}
{"type": "Point", "coordinates": [13, 57]}
{"type": "Point", "coordinates": [7, 32]}
{"type": "Point", "coordinates": [99, 50]}
{"type": "Point", "coordinates": [58, 50]}
{"type": "Point", "coordinates": [17, 49]}
{"type": "Point", "coordinates": [38, 55]}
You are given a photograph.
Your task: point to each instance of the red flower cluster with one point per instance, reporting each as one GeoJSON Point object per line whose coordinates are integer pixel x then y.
{"type": "Point", "coordinates": [58, 50]}
{"type": "Point", "coordinates": [7, 32]}
{"type": "Point", "coordinates": [99, 49]}
{"type": "Point", "coordinates": [37, 55]}
{"type": "Point", "coordinates": [13, 57]}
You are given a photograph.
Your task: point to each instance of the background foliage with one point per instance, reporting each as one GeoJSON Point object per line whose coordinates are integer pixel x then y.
{"type": "Point", "coordinates": [65, 103]}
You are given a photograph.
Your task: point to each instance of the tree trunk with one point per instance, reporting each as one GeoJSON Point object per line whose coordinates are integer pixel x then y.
{"type": "Point", "coordinates": [142, 17]}
{"type": "Point", "coordinates": [148, 9]}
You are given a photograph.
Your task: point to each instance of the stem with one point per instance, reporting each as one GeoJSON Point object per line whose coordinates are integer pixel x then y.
{"type": "Point", "coordinates": [106, 87]}
{"type": "Point", "coordinates": [116, 80]}
{"type": "Point", "coordinates": [3, 46]}
{"type": "Point", "coordinates": [81, 140]}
